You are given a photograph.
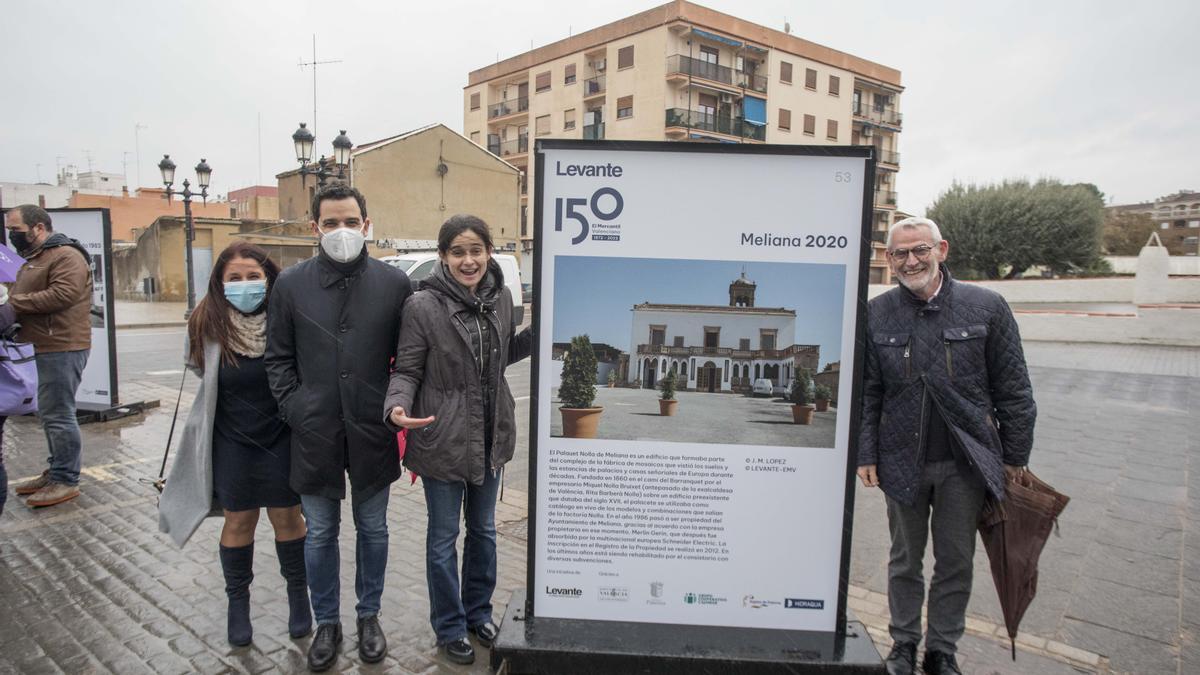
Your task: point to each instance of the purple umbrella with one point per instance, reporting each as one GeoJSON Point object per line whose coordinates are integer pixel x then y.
{"type": "Point", "coordinates": [10, 262]}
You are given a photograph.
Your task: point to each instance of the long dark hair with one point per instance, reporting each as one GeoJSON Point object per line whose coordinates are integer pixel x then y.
{"type": "Point", "coordinates": [210, 319]}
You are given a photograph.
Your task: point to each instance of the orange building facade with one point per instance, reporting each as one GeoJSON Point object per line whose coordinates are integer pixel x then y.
{"type": "Point", "coordinates": [132, 214]}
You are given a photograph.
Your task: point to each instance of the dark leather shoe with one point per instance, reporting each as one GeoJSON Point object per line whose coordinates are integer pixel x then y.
{"type": "Point", "coordinates": [372, 645]}
{"type": "Point", "coordinates": [940, 663]}
{"type": "Point", "coordinates": [903, 659]}
{"type": "Point", "coordinates": [459, 651]}
{"type": "Point", "coordinates": [323, 651]}
{"type": "Point", "coordinates": [486, 633]}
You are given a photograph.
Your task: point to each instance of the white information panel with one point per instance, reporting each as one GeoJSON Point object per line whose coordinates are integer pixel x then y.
{"type": "Point", "coordinates": [98, 388]}
{"type": "Point", "coordinates": [729, 270]}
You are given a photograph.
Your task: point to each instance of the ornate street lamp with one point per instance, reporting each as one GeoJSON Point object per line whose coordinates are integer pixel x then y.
{"type": "Point", "coordinates": [203, 180]}
{"type": "Point", "coordinates": [324, 168]}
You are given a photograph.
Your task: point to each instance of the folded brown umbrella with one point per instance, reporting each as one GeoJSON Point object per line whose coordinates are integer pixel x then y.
{"type": "Point", "coordinates": [1014, 532]}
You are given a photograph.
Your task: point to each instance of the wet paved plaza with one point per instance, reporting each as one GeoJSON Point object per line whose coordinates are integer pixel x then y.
{"type": "Point", "coordinates": [91, 586]}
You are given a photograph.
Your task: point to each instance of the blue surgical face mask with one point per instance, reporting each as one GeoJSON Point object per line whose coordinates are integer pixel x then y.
{"type": "Point", "coordinates": [246, 296]}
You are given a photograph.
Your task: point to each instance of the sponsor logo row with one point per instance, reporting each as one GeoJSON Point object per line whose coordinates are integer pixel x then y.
{"type": "Point", "coordinates": [656, 596]}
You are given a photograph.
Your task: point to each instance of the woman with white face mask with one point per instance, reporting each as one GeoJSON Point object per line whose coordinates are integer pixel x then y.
{"type": "Point", "coordinates": [235, 450]}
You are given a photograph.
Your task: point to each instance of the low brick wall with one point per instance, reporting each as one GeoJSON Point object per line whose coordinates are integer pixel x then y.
{"type": "Point", "coordinates": [1103, 290]}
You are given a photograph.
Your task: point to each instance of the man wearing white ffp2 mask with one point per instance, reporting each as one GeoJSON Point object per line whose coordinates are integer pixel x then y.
{"type": "Point", "coordinates": [342, 229]}
{"type": "Point", "coordinates": [331, 334]}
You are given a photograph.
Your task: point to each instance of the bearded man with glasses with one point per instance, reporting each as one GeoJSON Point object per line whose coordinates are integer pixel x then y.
{"type": "Point", "coordinates": [948, 410]}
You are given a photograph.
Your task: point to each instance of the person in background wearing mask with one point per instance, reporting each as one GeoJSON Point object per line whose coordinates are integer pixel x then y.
{"type": "Point", "coordinates": [52, 298]}
{"type": "Point", "coordinates": [331, 335]}
{"type": "Point", "coordinates": [234, 452]}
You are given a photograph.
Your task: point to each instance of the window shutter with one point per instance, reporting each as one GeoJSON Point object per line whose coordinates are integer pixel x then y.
{"type": "Point", "coordinates": [831, 129]}
{"type": "Point", "coordinates": [569, 73]}
{"type": "Point", "coordinates": [810, 78]}
{"type": "Point", "coordinates": [785, 119]}
{"type": "Point", "coordinates": [543, 81]}
{"type": "Point", "coordinates": [785, 72]}
{"type": "Point", "coordinates": [625, 106]}
{"type": "Point", "coordinates": [810, 124]}
{"type": "Point", "coordinates": [475, 101]}
{"type": "Point", "coordinates": [835, 85]}
{"type": "Point", "coordinates": [625, 57]}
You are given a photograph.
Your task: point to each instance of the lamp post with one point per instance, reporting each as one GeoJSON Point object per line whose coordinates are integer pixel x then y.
{"type": "Point", "coordinates": [203, 177]}
{"type": "Point", "coordinates": [324, 168]}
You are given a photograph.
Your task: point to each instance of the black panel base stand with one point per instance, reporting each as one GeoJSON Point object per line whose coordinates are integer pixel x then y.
{"type": "Point", "coordinates": [88, 415]}
{"type": "Point", "coordinates": [553, 646]}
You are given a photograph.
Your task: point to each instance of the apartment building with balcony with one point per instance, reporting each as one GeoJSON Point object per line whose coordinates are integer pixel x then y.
{"type": "Point", "coordinates": [683, 72]}
{"type": "Point", "coordinates": [1177, 216]}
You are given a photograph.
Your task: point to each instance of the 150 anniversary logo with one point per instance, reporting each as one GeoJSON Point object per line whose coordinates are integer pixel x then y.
{"type": "Point", "coordinates": [600, 209]}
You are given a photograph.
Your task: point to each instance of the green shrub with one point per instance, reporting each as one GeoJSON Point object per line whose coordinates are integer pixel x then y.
{"type": "Point", "coordinates": [578, 388]}
{"type": "Point", "coordinates": [822, 391]}
{"type": "Point", "coordinates": [667, 387]}
{"type": "Point", "coordinates": [801, 391]}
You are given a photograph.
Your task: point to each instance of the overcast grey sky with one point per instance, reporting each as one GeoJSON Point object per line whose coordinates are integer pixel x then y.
{"type": "Point", "coordinates": [1103, 92]}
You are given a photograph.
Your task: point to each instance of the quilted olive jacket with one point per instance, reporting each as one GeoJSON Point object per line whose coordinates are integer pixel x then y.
{"type": "Point", "coordinates": [961, 353]}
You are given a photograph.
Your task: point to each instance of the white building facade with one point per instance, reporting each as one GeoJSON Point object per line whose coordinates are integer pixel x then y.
{"type": "Point", "coordinates": [717, 348]}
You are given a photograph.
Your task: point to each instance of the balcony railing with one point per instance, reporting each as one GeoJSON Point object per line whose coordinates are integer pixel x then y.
{"type": "Point", "coordinates": [516, 146]}
{"type": "Point", "coordinates": [593, 132]}
{"type": "Point", "coordinates": [885, 197]}
{"type": "Point", "coordinates": [888, 157]}
{"type": "Point", "coordinates": [509, 107]}
{"type": "Point", "coordinates": [594, 86]}
{"type": "Point", "coordinates": [885, 115]}
{"type": "Point", "coordinates": [732, 126]}
{"type": "Point", "coordinates": [751, 81]}
{"type": "Point", "coordinates": [686, 65]}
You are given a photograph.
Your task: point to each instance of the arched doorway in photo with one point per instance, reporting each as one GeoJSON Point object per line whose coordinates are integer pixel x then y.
{"type": "Point", "coordinates": [707, 379]}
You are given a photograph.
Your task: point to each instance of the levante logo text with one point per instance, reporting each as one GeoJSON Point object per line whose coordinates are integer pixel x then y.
{"type": "Point", "coordinates": [564, 592]}
{"type": "Point", "coordinates": [609, 170]}
{"type": "Point", "coordinates": [770, 239]}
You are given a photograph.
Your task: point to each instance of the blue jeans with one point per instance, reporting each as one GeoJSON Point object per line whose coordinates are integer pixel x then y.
{"type": "Point", "coordinates": [58, 380]}
{"type": "Point", "coordinates": [323, 563]}
{"type": "Point", "coordinates": [452, 608]}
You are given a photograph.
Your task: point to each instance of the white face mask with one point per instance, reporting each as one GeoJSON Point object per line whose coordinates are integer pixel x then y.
{"type": "Point", "coordinates": [343, 244]}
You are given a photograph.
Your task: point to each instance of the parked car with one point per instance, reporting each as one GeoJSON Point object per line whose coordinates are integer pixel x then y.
{"type": "Point", "coordinates": [763, 387]}
{"type": "Point", "coordinates": [419, 265]}
{"type": "Point", "coordinates": [526, 292]}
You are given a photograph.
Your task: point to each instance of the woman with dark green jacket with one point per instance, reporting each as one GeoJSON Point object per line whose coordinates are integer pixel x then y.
{"type": "Point", "coordinates": [448, 389]}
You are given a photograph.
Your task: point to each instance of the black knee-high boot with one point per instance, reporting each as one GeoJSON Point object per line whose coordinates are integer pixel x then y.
{"type": "Point", "coordinates": [238, 565]}
{"type": "Point", "coordinates": [291, 566]}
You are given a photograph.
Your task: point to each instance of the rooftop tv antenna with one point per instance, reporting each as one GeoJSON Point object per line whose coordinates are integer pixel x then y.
{"type": "Point", "coordinates": [314, 63]}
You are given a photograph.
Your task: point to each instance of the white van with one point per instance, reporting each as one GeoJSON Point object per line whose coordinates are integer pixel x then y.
{"type": "Point", "coordinates": [419, 264]}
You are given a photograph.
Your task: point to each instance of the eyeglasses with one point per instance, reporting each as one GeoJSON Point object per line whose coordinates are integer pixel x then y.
{"type": "Point", "coordinates": [901, 254]}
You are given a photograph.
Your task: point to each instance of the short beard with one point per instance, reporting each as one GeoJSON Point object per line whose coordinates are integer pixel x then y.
{"type": "Point", "coordinates": [915, 285]}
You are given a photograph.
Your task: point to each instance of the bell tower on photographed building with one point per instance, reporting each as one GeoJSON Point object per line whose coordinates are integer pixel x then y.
{"type": "Point", "coordinates": [741, 291]}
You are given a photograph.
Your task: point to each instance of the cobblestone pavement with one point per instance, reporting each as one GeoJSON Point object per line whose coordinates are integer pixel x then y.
{"type": "Point", "coordinates": [700, 417]}
{"type": "Point", "coordinates": [91, 586]}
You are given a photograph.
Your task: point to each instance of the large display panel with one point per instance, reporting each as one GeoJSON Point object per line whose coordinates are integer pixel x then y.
{"type": "Point", "coordinates": [729, 268]}
{"type": "Point", "coordinates": [98, 387]}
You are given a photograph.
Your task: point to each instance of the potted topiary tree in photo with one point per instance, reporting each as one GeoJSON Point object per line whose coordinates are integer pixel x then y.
{"type": "Point", "coordinates": [612, 378]}
{"type": "Point", "coordinates": [578, 390]}
{"type": "Point", "coordinates": [822, 393]}
{"type": "Point", "coordinates": [667, 402]}
{"type": "Point", "coordinates": [802, 410]}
